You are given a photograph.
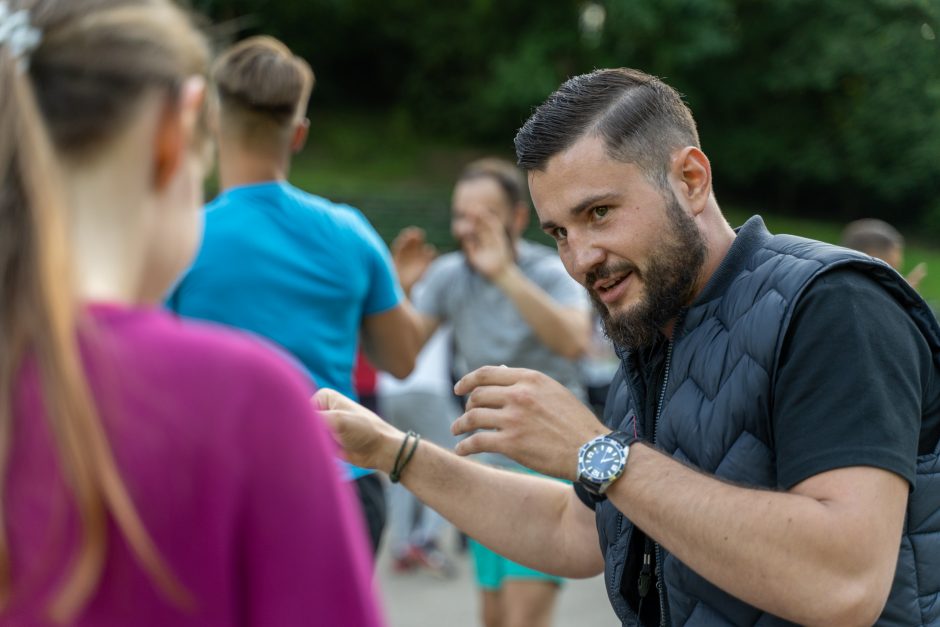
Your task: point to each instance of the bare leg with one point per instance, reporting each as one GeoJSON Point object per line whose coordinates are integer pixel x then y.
{"type": "Point", "coordinates": [492, 611]}
{"type": "Point", "coordinates": [528, 603]}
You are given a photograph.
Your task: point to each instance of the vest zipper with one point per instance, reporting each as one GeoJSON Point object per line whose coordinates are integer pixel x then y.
{"type": "Point", "coordinates": [663, 615]}
{"type": "Point", "coordinates": [643, 582]}
{"type": "Point", "coordinates": [610, 585]}
{"type": "Point", "coordinates": [610, 582]}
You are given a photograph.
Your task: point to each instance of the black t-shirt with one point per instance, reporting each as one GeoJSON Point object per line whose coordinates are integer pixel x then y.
{"type": "Point", "coordinates": [856, 384]}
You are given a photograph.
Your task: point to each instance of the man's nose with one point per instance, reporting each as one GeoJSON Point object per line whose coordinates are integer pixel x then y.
{"type": "Point", "coordinates": [585, 256]}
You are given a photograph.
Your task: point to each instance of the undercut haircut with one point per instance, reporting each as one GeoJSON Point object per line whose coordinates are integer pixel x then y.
{"type": "Point", "coordinates": [262, 86]}
{"type": "Point", "coordinates": [641, 119]}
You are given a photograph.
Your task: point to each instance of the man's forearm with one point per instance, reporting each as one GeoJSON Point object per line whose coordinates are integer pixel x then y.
{"type": "Point", "coordinates": [514, 514]}
{"type": "Point", "coordinates": [789, 554]}
{"type": "Point", "coordinates": [566, 331]}
{"type": "Point", "coordinates": [393, 339]}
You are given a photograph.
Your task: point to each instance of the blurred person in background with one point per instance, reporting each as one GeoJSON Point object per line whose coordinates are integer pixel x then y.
{"type": "Point", "coordinates": [599, 366]}
{"type": "Point", "coordinates": [508, 301]}
{"type": "Point", "coordinates": [308, 274]}
{"type": "Point", "coordinates": [424, 402]}
{"type": "Point", "coordinates": [879, 239]}
{"type": "Point", "coordinates": [154, 472]}
{"type": "Point", "coordinates": [770, 447]}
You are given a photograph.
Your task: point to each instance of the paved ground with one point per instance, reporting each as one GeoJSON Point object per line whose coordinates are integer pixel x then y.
{"type": "Point", "coordinates": [420, 600]}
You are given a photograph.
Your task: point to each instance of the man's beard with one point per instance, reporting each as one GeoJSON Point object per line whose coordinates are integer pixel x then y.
{"type": "Point", "coordinates": [669, 280]}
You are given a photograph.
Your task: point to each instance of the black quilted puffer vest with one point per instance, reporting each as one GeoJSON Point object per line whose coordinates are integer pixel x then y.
{"type": "Point", "coordinates": [716, 416]}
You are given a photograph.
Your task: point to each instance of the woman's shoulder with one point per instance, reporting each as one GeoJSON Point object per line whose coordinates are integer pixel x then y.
{"type": "Point", "coordinates": [189, 354]}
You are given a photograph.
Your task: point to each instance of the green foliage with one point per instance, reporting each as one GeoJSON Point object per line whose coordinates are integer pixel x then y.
{"type": "Point", "coordinates": [825, 108]}
{"type": "Point", "coordinates": [820, 108]}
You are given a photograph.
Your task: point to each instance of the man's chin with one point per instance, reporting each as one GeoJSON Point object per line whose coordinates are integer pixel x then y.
{"type": "Point", "coordinates": [620, 308]}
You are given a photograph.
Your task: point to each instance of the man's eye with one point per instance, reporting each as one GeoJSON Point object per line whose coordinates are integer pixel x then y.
{"type": "Point", "coordinates": [559, 233]}
{"type": "Point", "coordinates": [600, 212]}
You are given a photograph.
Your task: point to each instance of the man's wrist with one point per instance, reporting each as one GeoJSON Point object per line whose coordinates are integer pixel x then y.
{"type": "Point", "coordinates": [602, 461]}
{"type": "Point", "coordinates": [390, 445]}
{"type": "Point", "coordinates": [506, 277]}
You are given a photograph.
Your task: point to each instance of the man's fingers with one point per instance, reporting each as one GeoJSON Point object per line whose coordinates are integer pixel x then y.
{"type": "Point", "coordinates": [327, 399]}
{"type": "Point", "coordinates": [490, 228]}
{"type": "Point", "coordinates": [482, 442]}
{"type": "Point", "coordinates": [333, 420]}
{"type": "Point", "coordinates": [479, 418]}
{"type": "Point", "coordinates": [917, 274]}
{"type": "Point", "coordinates": [488, 375]}
{"type": "Point", "coordinates": [411, 233]}
{"type": "Point", "coordinates": [487, 396]}
{"type": "Point", "coordinates": [409, 237]}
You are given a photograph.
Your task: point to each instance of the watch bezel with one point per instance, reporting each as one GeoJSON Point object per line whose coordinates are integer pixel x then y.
{"type": "Point", "coordinates": [599, 485]}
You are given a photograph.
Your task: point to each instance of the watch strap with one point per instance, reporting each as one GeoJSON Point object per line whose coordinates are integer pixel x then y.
{"type": "Point", "coordinates": [625, 439]}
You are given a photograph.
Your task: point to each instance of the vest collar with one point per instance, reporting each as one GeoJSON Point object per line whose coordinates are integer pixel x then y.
{"type": "Point", "coordinates": [751, 236]}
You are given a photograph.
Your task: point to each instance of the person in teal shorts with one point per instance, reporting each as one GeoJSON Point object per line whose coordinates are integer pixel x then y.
{"type": "Point", "coordinates": [509, 301]}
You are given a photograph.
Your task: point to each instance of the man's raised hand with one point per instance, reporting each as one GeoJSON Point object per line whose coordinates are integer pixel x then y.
{"type": "Point", "coordinates": [526, 416]}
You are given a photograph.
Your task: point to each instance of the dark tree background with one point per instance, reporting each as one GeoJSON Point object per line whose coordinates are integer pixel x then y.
{"type": "Point", "coordinates": [828, 108]}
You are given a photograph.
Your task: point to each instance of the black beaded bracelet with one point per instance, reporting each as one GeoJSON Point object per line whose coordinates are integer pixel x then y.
{"type": "Point", "coordinates": [395, 475]}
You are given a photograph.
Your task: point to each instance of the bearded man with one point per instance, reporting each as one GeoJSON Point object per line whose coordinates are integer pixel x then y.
{"type": "Point", "coordinates": [769, 451]}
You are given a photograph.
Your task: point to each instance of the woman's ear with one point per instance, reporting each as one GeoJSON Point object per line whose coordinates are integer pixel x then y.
{"type": "Point", "coordinates": [176, 130]}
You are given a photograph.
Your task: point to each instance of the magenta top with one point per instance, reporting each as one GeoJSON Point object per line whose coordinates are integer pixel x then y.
{"type": "Point", "coordinates": [231, 470]}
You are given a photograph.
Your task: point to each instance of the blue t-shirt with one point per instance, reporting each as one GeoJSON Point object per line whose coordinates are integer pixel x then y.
{"type": "Point", "coordinates": [294, 268]}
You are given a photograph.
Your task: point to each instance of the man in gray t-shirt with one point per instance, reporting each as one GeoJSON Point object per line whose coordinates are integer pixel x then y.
{"type": "Point", "coordinates": [510, 302]}
{"type": "Point", "coordinates": [488, 326]}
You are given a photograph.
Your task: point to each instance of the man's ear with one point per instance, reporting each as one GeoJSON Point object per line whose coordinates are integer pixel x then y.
{"type": "Point", "coordinates": [176, 129]}
{"type": "Point", "coordinates": [301, 132]}
{"type": "Point", "coordinates": [693, 174]}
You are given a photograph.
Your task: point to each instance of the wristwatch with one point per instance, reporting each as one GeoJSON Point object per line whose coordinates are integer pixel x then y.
{"type": "Point", "coordinates": [601, 461]}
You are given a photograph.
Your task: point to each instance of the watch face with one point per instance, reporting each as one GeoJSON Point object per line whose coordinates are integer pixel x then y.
{"type": "Point", "coordinates": [603, 460]}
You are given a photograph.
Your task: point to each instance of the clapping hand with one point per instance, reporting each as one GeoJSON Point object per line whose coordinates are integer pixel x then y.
{"type": "Point", "coordinates": [412, 255]}
{"type": "Point", "coordinates": [489, 249]}
{"type": "Point", "coordinates": [917, 274]}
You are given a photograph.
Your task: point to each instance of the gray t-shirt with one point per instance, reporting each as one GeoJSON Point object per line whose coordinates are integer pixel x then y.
{"type": "Point", "coordinates": [488, 329]}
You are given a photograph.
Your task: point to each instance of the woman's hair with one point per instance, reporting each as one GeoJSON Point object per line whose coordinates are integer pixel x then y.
{"type": "Point", "coordinates": [262, 87]}
{"type": "Point", "coordinates": [73, 73]}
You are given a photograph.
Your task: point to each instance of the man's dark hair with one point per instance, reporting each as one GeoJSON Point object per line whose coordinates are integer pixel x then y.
{"type": "Point", "coordinates": [641, 119]}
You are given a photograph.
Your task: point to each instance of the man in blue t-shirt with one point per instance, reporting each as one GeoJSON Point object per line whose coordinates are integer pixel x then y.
{"type": "Point", "coordinates": [308, 274]}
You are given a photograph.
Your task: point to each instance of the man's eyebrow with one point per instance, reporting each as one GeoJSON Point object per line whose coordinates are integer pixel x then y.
{"type": "Point", "coordinates": [579, 208]}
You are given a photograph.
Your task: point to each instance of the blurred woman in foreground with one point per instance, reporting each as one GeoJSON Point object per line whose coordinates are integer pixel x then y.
{"type": "Point", "coordinates": [153, 472]}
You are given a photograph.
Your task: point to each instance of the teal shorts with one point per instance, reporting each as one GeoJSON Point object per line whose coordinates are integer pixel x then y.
{"type": "Point", "coordinates": [492, 568]}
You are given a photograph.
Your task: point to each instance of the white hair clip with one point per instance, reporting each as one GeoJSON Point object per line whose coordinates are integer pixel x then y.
{"type": "Point", "coordinates": [18, 34]}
